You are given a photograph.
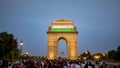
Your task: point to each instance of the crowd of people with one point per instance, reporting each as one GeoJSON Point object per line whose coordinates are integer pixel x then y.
{"type": "Point", "coordinates": [35, 63]}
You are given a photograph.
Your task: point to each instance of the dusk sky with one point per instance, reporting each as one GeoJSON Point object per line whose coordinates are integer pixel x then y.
{"type": "Point", "coordinates": [97, 21]}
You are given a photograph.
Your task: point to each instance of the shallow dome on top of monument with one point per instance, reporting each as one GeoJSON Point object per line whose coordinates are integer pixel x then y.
{"type": "Point", "coordinates": [62, 22]}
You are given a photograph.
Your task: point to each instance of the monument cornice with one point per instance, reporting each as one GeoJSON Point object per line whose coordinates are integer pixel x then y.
{"type": "Point", "coordinates": [61, 32]}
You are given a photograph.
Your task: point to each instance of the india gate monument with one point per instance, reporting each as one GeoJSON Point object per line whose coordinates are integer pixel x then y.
{"type": "Point", "coordinates": [62, 29]}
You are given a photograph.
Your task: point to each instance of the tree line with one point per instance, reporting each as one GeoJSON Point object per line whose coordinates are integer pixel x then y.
{"type": "Point", "coordinates": [9, 50]}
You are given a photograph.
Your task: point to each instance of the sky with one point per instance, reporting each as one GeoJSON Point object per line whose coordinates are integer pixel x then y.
{"type": "Point", "coordinates": [97, 21]}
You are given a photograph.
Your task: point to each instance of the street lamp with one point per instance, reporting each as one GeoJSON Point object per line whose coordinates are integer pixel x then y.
{"type": "Point", "coordinates": [21, 44]}
{"type": "Point", "coordinates": [26, 52]}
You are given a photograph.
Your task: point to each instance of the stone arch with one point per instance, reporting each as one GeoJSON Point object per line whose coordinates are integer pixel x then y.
{"type": "Point", "coordinates": [69, 35]}
{"type": "Point", "coordinates": [60, 53]}
{"type": "Point", "coordinates": [64, 38]}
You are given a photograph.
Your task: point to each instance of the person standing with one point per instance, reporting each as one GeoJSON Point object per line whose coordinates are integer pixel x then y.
{"type": "Point", "coordinates": [65, 65]}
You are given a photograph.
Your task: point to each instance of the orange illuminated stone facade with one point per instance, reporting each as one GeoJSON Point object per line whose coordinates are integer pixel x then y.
{"type": "Point", "coordinates": [64, 32]}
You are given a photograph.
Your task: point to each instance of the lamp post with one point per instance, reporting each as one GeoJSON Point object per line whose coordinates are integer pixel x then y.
{"type": "Point", "coordinates": [26, 55]}
{"type": "Point", "coordinates": [21, 44]}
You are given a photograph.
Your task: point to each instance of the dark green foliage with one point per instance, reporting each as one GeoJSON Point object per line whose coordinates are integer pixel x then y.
{"type": "Point", "coordinates": [8, 46]}
{"type": "Point", "coordinates": [114, 54]}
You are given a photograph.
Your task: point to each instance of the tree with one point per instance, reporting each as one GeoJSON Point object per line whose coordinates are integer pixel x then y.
{"type": "Point", "coordinates": [112, 54]}
{"type": "Point", "coordinates": [8, 46]}
{"type": "Point", "coordinates": [97, 56]}
{"type": "Point", "coordinates": [86, 55]}
{"type": "Point", "coordinates": [118, 53]}
{"type": "Point", "coordinates": [118, 48]}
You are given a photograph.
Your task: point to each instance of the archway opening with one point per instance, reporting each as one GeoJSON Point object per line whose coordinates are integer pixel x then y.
{"type": "Point", "coordinates": [62, 48]}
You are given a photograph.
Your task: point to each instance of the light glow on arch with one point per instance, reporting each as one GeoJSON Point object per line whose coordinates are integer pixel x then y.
{"type": "Point", "coordinates": [51, 56]}
{"type": "Point", "coordinates": [62, 26]}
